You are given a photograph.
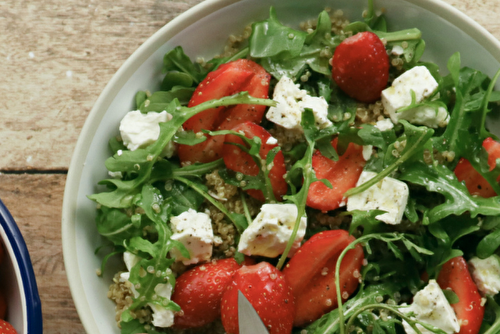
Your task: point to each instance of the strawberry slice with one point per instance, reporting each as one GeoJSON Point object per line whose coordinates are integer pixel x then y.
{"type": "Point", "coordinates": [231, 78]}
{"type": "Point", "coordinates": [7, 328]}
{"type": "Point", "coordinates": [198, 292]}
{"type": "Point", "coordinates": [360, 67]}
{"type": "Point", "coordinates": [311, 274]}
{"type": "Point", "coordinates": [269, 293]}
{"type": "Point", "coordinates": [474, 182]}
{"type": "Point", "coordinates": [455, 275]}
{"type": "Point", "coordinates": [239, 161]}
{"type": "Point", "coordinates": [342, 174]}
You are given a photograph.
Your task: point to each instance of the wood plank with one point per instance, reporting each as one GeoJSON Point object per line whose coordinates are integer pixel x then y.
{"type": "Point", "coordinates": [35, 202]}
{"type": "Point", "coordinates": [56, 56]}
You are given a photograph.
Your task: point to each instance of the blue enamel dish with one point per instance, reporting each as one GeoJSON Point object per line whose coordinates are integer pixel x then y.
{"type": "Point", "coordinates": [18, 283]}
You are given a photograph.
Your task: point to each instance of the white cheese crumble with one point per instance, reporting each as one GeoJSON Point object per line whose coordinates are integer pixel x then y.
{"type": "Point", "coordinates": [268, 234]}
{"type": "Point", "coordinates": [486, 274]}
{"type": "Point", "coordinates": [367, 152]}
{"type": "Point", "coordinates": [272, 141]}
{"type": "Point", "coordinates": [194, 230]}
{"type": "Point", "coordinates": [431, 307]}
{"type": "Point", "coordinates": [140, 130]}
{"type": "Point", "coordinates": [388, 194]}
{"type": "Point", "coordinates": [384, 124]}
{"type": "Point", "coordinates": [161, 316]}
{"type": "Point", "coordinates": [419, 80]}
{"type": "Point", "coordinates": [292, 102]}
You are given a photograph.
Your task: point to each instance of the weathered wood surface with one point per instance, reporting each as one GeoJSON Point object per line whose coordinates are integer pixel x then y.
{"type": "Point", "coordinates": [56, 56]}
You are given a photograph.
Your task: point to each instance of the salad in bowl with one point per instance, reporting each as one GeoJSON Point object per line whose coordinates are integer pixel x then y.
{"type": "Point", "coordinates": [336, 179]}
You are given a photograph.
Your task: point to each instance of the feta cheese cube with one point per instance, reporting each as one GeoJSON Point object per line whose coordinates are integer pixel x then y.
{"type": "Point", "coordinates": [384, 124]}
{"type": "Point", "coordinates": [140, 130]}
{"type": "Point", "coordinates": [427, 116]}
{"type": "Point", "coordinates": [161, 316]}
{"type": "Point", "coordinates": [486, 274]}
{"type": "Point", "coordinates": [194, 230]}
{"type": "Point", "coordinates": [431, 307]}
{"type": "Point", "coordinates": [422, 83]}
{"type": "Point", "coordinates": [388, 194]}
{"type": "Point", "coordinates": [292, 102]}
{"type": "Point", "coordinates": [270, 231]}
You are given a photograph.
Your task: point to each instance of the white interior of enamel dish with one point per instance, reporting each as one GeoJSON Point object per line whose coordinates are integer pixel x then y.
{"type": "Point", "coordinates": [202, 31]}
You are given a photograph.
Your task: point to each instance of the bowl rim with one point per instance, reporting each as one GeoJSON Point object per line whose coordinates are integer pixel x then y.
{"type": "Point", "coordinates": [184, 20]}
{"type": "Point", "coordinates": [31, 300]}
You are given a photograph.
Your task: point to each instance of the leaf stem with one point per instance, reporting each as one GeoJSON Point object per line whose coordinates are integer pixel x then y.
{"type": "Point", "coordinates": [209, 198]}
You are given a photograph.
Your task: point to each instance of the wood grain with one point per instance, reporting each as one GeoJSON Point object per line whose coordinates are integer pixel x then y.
{"type": "Point", "coordinates": [56, 56]}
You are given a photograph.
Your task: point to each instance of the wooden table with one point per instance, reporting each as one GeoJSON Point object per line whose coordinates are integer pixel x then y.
{"type": "Point", "coordinates": [56, 56]}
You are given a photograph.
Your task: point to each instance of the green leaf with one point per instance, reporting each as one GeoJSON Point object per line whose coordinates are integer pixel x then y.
{"type": "Point", "coordinates": [116, 225]}
{"type": "Point", "coordinates": [451, 296]}
{"type": "Point", "coordinates": [415, 138]}
{"type": "Point", "coordinates": [183, 197]}
{"type": "Point", "coordinates": [270, 38]}
{"type": "Point", "coordinates": [488, 245]}
{"type": "Point", "coordinates": [176, 60]}
{"type": "Point", "coordinates": [367, 219]}
{"type": "Point", "coordinates": [140, 97]}
{"type": "Point", "coordinates": [160, 100]}
{"type": "Point", "coordinates": [188, 138]}
{"type": "Point", "coordinates": [457, 198]}
{"type": "Point", "coordinates": [315, 52]}
{"type": "Point", "coordinates": [175, 78]}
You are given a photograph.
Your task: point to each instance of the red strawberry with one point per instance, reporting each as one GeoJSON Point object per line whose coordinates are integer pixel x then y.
{"type": "Point", "coordinates": [6, 328]}
{"type": "Point", "coordinates": [360, 66]}
{"type": "Point", "coordinates": [269, 293]}
{"type": "Point", "coordinates": [230, 78]}
{"type": "Point", "coordinates": [342, 174]}
{"type": "Point", "coordinates": [474, 182]}
{"type": "Point", "coordinates": [198, 292]}
{"type": "Point", "coordinates": [239, 161]}
{"type": "Point", "coordinates": [311, 274]}
{"type": "Point", "coordinates": [455, 275]}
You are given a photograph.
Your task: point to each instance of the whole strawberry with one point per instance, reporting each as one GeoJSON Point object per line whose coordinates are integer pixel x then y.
{"type": "Point", "coordinates": [198, 292]}
{"type": "Point", "coordinates": [360, 67]}
{"type": "Point", "coordinates": [269, 293]}
{"type": "Point", "coordinates": [6, 328]}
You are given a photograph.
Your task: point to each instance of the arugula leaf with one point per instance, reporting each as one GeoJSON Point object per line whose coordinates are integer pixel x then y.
{"type": "Point", "coordinates": [451, 296]}
{"type": "Point", "coordinates": [183, 197]}
{"type": "Point", "coordinates": [415, 138]}
{"type": "Point", "coordinates": [176, 60]}
{"type": "Point", "coordinates": [116, 225]}
{"type": "Point", "coordinates": [315, 48]}
{"type": "Point", "coordinates": [367, 295]}
{"type": "Point", "coordinates": [141, 161]}
{"type": "Point", "coordinates": [271, 38]}
{"type": "Point", "coordinates": [366, 219]}
{"type": "Point", "coordinates": [488, 245]}
{"type": "Point", "coordinates": [466, 131]}
{"type": "Point", "coordinates": [161, 100]}
{"type": "Point", "coordinates": [175, 78]}
{"type": "Point", "coordinates": [457, 198]}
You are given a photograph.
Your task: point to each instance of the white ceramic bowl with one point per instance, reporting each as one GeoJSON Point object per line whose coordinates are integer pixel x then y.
{"type": "Point", "coordinates": [24, 310]}
{"type": "Point", "coordinates": [202, 31]}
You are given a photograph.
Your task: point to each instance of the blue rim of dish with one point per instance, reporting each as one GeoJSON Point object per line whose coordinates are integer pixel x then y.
{"type": "Point", "coordinates": [33, 303]}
